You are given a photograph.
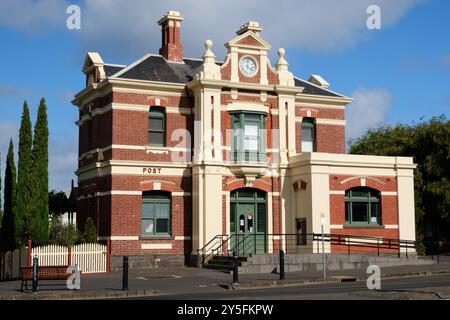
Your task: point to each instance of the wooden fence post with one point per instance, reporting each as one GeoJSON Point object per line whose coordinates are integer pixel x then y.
{"type": "Point", "coordinates": [29, 252]}
{"type": "Point", "coordinates": [69, 256]}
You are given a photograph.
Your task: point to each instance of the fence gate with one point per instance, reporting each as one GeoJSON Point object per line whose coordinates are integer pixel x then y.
{"type": "Point", "coordinates": [90, 257]}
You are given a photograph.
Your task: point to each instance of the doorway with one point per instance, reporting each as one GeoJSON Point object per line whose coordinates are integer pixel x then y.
{"type": "Point", "coordinates": [248, 219]}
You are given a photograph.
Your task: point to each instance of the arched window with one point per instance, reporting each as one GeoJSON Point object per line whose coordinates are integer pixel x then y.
{"type": "Point", "coordinates": [155, 214]}
{"type": "Point", "coordinates": [362, 206]}
{"type": "Point", "coordinates": [308, 135]}
{"type": "Point", "coordinates": [157, 127]}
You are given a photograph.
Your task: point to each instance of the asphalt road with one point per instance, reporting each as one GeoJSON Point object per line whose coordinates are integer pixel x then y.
{"type": "Point", "coordinates": [430, 287]}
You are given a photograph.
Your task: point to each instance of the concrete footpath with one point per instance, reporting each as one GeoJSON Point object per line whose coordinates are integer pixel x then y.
{"type": "Point", "coordinates": [180, 280]}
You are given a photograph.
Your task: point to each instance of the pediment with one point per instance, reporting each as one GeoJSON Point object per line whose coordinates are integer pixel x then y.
{"type": "Point", "coordinates": [92, 59]}
{"type": "Point", "coordinates": [248, 40]}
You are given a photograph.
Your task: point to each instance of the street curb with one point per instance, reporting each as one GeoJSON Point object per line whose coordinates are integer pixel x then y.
{"type": "Point", "coordinates": [89, 295]}
{"type": "Point", "coordinates": [334, 279]}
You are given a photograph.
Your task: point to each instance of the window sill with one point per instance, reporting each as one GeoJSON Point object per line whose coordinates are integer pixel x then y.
{"type": "Point", "coordinates": [157, 238]}
{"type": "Point", "coordinates": [362, 226]}
{"type": "Point", "coordinates": [156, 149]}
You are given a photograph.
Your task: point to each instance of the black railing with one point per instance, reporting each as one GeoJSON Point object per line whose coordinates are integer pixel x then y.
{"type": "Point", "coordinates": [246, 244]}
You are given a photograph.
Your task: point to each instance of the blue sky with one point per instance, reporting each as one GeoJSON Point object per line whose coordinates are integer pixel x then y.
{"type": "Point", "coordinates": [397, 74]}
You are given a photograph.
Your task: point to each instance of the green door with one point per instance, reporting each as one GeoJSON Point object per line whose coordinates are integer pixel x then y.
{"type": "Point", "coordinates": [248, 221]}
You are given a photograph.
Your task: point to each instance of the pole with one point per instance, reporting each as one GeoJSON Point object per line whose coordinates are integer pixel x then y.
{"type": "Point", "coordinates": [125, 274]}
{"type": "Point", "coordinates": [281, 265]}
{"type": "Point", "coordinates": [235, 268]}
{"type": "Point", "coordinates": [323, 256]}
{"type": "Point", "coordinates": [35, 276]}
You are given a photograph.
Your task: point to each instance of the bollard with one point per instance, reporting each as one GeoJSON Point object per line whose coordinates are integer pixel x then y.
{"type": "Point", "coordinates": [235, 268]}
{"type": "Point", "coordinates": [125, 274]}
{"type": "Point", "coordinates": [281, 265]}
{"type": "Point", "coordinates": [35, 277]}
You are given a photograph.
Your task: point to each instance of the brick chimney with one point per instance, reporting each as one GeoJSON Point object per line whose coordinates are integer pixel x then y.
{"type": "Point", "coordinates": [171, 48]}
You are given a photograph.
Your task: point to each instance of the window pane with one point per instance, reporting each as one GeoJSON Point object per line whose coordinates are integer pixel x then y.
{"type": "Point", "coordinates": [147, 210]}
{"type": "Point", "coordinates": [307, 134]}
{"type": "Point", "coordinates": [261, 218]}
{"type": "Point", "coordinates": [147, 227]}
{"type": "Point", "coordinates": [156, 138]}
{"type": "Point", "coordinates": [374, 213]}
{"type": "Point", "coordinates": [359, 194]}
{"type": "Point", "coordinates": [347, 212]}
{"type": "Point", "coordinates": [360, 212]}
{"type": "Point", "coordinates": [162, 210]}
{"type": "Point", "coordinates": [307, 146]}
{"type": "Point", "coordinates": [233, 217]}
{"type": "Point", "coordinates": [156, 124]}
{"type": "Point", "coordinates": [251, 144]}
{"type": "Point", "coordinates": [162, 226]}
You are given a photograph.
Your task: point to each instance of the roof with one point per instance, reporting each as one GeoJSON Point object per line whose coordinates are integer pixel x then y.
{"type": "Point", "coordinates": [155, 68]}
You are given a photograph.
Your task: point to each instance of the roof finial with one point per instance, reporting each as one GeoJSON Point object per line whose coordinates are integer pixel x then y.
{"type": "Point", "coordinates": [285, 77]}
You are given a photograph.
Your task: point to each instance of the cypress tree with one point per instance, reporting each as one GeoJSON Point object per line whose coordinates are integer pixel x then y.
{"type": "Point", "coordinates": [24, 223]}
{"type": "Point", "coordinates": [39, 158]}
{"type": "Point", "coordinates": [8, 238]}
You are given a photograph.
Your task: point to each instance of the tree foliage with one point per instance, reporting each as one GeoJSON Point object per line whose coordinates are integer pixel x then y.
{"type": "Point", "coordinates": [90, 231]}
{"type": "Point", "coordinates": [57, 202]}
{"type": "Point", "coordinates": [7, 232]}
{"type": "Point", "coordinates": [39, 157]}
{"type": "Point", "coordinates": [62, 234]}
{"type": "Point", "coordinates": [429, 144]}
{"type": "Point", "coordinates": [25, 225]}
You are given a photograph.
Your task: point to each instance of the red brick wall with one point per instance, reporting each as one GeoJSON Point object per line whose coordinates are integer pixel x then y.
{"type": "Point", "coordinates": [389, 211]}
{"type": "Point", "coordinates": [330, 139]}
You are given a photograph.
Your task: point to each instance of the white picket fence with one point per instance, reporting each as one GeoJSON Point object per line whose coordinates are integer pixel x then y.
{"type": "Point", "coordinates": [89, 257]}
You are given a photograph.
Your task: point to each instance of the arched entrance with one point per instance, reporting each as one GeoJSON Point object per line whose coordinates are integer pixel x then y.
{"type": "Point", "coordinates": [248, 220]}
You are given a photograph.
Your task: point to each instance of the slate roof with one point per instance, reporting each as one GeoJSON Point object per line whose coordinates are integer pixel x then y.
{"type": "Point", "coordinates": [156, 68]}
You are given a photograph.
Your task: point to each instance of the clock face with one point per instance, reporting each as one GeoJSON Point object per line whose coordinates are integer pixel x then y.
{"type": "Point", "coordinates": [248, 66]}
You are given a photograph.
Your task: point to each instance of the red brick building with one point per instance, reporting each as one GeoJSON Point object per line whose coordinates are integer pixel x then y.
{"type": "Point", "coordinates": [174, 151]}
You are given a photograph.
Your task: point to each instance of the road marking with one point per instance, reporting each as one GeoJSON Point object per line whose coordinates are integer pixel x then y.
{"type": "Point", "coordinates": [175, 276]}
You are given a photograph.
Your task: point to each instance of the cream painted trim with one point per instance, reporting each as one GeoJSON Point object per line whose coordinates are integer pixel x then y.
{"type": "Point", "coordinates": [331, 122]}
{"type": "Point", "coordinates": [391, 226]}
{"type": "Point", "coordinates": [318, 105]}
{"type": "Point", "coordinates": [124, 238]}
{"type": "Point", "coordinates": [156, 246]}
{"type": "Point", "coordinates": [336, 226]}
{"type": "Point", "coordinates": [247, 106]}
{"type": "Point", "coordinates": [273, 194]}
{"type": "Point", "coordinates": [389, 193]}
{"type": "Point", "coordinates": [181, 194]}
{"type": "Point", "coordinates": [182, 238]}
{"type": "Point", "coordinates": [337, 192]}
{"type": "Point", "coordinates": [161, 93]}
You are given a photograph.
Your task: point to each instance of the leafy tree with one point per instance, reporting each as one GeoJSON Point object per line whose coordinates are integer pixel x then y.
{"type": "Point", "coordinates": [25, 225]}
{"type": "Point", "coordinates": [39, 157]}
{"type": "Point", "coordinates": [57, 202]}
{"type": "Point", "coordinates": [7, 234]}
{"type": "Point", "coordinates": [429, 144]}
{"type": "Point", "coordinates": [90, 231]}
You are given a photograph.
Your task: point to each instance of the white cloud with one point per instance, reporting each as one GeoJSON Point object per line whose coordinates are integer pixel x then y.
{"type": "Point", "coordinates": [367, 111]}
{"type": "Point", "coordinates": [63, 157]}
{"type": "Point", "coordinates": [127, 28]}
{"type": "Point", "coordinates": [32, 16]}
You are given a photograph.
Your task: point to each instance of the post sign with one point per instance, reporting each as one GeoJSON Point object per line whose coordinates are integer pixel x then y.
{"type": "Point", "coordinates": [151, 170]}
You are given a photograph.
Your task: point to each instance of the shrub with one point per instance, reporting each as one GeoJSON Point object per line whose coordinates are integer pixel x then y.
{"type": "Point", "coordinates": [420, 248]}
{"type": "Point", "coordinates": [90, 231]}
{"type": "Point", "coordinates": [61, 234]}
